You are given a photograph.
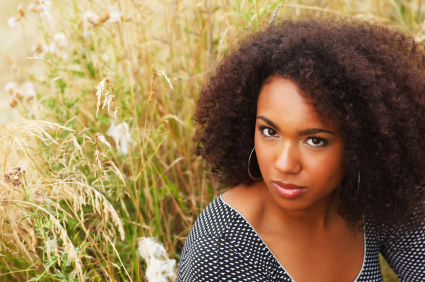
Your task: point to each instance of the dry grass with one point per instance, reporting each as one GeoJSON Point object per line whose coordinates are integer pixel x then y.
{"type": "Point", "coordinates": [107, 141]}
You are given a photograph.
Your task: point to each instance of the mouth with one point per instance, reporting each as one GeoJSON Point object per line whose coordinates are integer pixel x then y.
{"type": "Point", "coordinates": [288, 190]}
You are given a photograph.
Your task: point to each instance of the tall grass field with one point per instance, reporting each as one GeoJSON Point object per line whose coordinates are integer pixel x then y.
{"type": "Point", "coordinates": [99, 180]}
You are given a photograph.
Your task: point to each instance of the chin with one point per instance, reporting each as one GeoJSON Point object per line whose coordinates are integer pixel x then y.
{"type": "Point", "coordinates": [299, 203]}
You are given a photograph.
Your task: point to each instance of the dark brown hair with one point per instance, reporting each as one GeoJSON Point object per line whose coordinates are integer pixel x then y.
{"type": "Point", "coordinates": [367, 77]}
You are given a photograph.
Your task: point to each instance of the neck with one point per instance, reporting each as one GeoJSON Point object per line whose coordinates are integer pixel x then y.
{"type": "Point", "coordinates": [318, 216]}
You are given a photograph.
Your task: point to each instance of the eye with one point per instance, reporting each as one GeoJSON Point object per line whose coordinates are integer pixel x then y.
{"type": "Point", "coordinates": [316, 142]}
{"type": "Point", "coordinates": [268, 132]}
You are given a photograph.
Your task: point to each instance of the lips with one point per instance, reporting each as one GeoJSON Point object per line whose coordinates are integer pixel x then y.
{"type": "Point", "coordinates": [288, 190]}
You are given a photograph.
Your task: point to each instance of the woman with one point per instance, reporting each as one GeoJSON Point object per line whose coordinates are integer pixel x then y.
{"type": "Point", "coordinates": [332, 114]}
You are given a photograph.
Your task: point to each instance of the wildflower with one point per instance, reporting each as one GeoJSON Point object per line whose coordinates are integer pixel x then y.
{"type": "Point", "coordinates": [105, 17]}
{"type": "Point", "coordinates": [10, 87]}
{"type": "Point", "coordinates": [14, 176]}
{"type": "Point", "coordinates": [32, 7]}
{"type": "Point", "coordinates": [42, 7]}
{"type": "Point", "coordinates": [115, 14]}
{"type": "Point", "coordinates": [90, 19]}
{"type": "Point", "coordinates": [39, 50]}
{"type": "Point", "coordinates": [59, 44]}
{"type": "Point", "coordinates": [121, 136]}
{"type": "Point", "coordinates": [28, 90]}
{"type": "Point", "coordinates": [60, 40]}
{"type": "Point", "coordinates": [160, 268]}
{"type": "Point", "coordinates": [13, 21]}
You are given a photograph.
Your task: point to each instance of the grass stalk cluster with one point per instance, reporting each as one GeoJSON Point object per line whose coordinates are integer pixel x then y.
{"type": "Point", "coordinates": [106, 143]}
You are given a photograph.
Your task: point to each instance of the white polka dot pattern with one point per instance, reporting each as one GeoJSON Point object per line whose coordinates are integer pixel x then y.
{"type": "Point", "coordinates": [223, 246]}
{"type": "Point", "coordinates": [406, 255]}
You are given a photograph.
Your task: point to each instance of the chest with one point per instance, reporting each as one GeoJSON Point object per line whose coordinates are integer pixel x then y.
{"type": "Point", "coordinates": [324, 257]}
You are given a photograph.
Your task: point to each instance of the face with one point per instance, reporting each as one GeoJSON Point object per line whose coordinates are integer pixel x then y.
{"type": "Point", "coordinates": [301, 159]}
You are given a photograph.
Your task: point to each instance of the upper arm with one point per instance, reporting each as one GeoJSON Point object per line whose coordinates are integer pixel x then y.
{"type": "Point", "coordinates": [213, 259]}
{"type": "Point", "coordinates": [406, 255]}
{"type": "Point", "coordinates": [198, 261]}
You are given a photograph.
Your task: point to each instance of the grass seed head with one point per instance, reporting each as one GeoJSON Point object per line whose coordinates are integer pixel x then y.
{"type": "Point", "coordinates": [110, 101]}
{"type": "Point", "coordinates": [162, 73]}
{"type": "Point", "coordinates": [100, 88]}
{"type": "Point", "coordinates": [14, 176]}
{"type": "Point", "coordinates": [102, 139]}
{"type": "Point", "coordinates": [37, 194]}
{"type": "Point", "coordinates": [5, 200]}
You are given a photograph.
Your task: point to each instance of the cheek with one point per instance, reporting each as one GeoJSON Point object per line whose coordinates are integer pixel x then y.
{"type": "Point", "coordinates": [265, 155]}
{"type": "Point", "coordinates": [328, 170]}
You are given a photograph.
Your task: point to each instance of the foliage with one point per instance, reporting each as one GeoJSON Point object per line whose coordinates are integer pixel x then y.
{"type": "Point", "coordinates": [107, 141]}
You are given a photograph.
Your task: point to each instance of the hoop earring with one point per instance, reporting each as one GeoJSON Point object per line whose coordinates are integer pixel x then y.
{"type": "Point", "coordinates": [249, 171]}
{"type": "Point", "coordinates": [358, 186]}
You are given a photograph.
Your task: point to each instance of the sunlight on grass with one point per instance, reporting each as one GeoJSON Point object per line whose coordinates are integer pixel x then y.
{"type": "Point", "coordinates": [107, 90]}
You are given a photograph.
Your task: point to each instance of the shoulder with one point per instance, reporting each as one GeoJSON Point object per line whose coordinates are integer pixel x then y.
{"type": "Point", "coordinates": [404, 250]}
{"type": "Point", "coordinates": [214, 220]}
{"type": "Point", "coordinates": [207, 245]}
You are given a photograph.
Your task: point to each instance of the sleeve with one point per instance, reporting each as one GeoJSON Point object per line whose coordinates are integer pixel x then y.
{"type": "Point", "coordinates": [199, 261]}
{"type": "Point", "coordinates": [406, 255]}
{"type": "Point", "coordinates": [212, 259]}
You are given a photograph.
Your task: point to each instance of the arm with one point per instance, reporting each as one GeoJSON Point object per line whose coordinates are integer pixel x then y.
{"type": "Point", "coordinates": [213, 259]}
{"type": "Point", "coordinates": [198, 261]}
{"type": "Point", "coordinates": [406, 255]}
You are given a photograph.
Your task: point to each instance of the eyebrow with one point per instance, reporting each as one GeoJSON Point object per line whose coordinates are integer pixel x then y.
{"type": "Point", "coordinates": [307, 131]}
{"type": "Point", "coordinates": [269, 122]}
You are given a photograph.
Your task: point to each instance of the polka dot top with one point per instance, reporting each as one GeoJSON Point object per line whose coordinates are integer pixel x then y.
{"type": "Point", "coordinates": [223, 246]}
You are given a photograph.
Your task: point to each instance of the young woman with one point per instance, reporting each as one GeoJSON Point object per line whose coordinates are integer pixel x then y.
{"type": "Point", "coordinates": [319, 127]}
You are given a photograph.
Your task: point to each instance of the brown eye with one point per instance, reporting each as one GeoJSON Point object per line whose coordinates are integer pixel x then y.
{"type": "Point", "coordinates": [269, 132]}
{"type": "Point", "coordinates": [316, 142]}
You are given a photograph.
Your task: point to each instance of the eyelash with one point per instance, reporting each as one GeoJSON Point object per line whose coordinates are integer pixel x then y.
{"type": "Point", "coordinates": [325, 142]}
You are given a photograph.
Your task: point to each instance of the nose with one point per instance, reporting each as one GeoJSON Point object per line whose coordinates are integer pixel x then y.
{"type": "Point", "coordinates": [288, 161]}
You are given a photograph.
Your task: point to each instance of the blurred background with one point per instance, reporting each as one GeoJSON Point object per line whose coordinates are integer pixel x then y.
{"type": "Point", "coordinates": [107, 90]}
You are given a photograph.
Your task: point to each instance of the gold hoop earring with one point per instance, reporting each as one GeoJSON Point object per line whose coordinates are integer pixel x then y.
{"type": "Point", "coordinates": [249, 171]}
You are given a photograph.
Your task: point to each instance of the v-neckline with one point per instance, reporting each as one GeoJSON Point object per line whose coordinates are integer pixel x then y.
{"type": "Point", "coordinates": [258, 235]}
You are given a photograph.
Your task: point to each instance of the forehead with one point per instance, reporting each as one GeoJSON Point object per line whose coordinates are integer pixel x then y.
{"type": "Point", "coordinates": [281, 101]}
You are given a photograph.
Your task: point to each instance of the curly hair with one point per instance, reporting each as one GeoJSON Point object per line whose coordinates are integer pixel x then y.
{"type": "Point", "coordinates": [368, 78]}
